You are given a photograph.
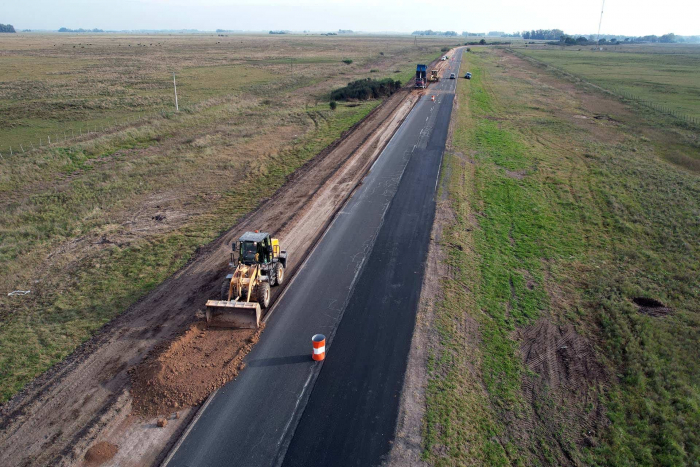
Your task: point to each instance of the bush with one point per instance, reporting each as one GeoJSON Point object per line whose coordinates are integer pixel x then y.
{"type": "Point", "coordinates": [445, 49]}
{"type": "Point", "coordinates": [364, 89]}
{"type": "Point", "coordinates": [482, 42]}
{"type": "Point", "coordinates": [347, 61]}
{"type": "Point", "coordinates": [333, 105]}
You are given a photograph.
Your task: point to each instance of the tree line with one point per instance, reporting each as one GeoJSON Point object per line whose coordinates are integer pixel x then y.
{"type": "Point", "coordinates": [543, 34]}
{"type": "Point", "coordinates": [364, 89]}
{"type": "Point", "coordinates": [80, 30]}
{"type": "Point", "coordinates": [430, 32]}
{"type": "Point", "coordinates": [7, 28]}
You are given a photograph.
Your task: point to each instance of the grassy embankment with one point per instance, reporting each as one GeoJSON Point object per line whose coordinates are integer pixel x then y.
{"type": "Point", "coordinates": [79, 226]}
{"type": "Point", "coordinates": [662, 76]}
{"type": "Point", "coordinates": [561, 221]}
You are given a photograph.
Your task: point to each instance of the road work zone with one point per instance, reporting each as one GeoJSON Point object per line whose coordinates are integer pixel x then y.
{"type": "Point", "coordinates": [360, 288]}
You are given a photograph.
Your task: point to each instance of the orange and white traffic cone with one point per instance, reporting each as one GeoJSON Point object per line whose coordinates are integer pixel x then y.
{"type": "Point", "coordinates": [319, 343]}
{"type": "Point", "coordinates": [432, 98]}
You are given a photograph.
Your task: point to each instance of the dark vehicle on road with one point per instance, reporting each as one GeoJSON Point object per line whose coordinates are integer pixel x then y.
{"type": "Point", "coordinates": [452, 76]}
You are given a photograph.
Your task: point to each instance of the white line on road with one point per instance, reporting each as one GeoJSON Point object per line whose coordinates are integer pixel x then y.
{"type": "Point", "coordinates": [191, 425]}
{"type": "Point", "coordinates": [296, 406]}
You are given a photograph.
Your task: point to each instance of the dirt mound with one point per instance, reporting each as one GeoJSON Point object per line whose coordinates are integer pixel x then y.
{"type": "Point", "coordinates": [100, 453]}
{"type": "Point", "coordinates": [565, 392]}
{"type": "Point", "coordinates": [185, 371]}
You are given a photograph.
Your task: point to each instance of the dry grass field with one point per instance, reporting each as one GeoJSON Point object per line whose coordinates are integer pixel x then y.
{"type": "Point", "coordinates": [91, 223]}
{"type": "Point", "coordinates": [664, 74]}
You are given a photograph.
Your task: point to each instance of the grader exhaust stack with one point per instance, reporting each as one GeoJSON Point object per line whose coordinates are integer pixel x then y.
{"type": "Point", "coordinates": [245, 293]}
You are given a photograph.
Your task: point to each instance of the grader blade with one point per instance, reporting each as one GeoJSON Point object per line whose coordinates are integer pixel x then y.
{"type": "Point", "coordinates": [233, 314]}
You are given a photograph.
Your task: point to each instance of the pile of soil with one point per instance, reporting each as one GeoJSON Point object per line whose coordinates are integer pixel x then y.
{"type": "Point", "coordinates": [184, 372]}
{"type": "Point", "coordinates": [100, 453]}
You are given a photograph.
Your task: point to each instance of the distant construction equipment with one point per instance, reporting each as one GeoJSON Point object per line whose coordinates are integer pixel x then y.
{"type": "Point", "coordinates": [421, 76]}
{"type": "Point", "coordinates": [259, 264]}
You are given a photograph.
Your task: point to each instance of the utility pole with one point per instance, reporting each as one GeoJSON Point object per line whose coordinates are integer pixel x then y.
{"type": "Point", "coordinates": [600, 23]}
{"type": "Point", "coordinates": [177, 108]}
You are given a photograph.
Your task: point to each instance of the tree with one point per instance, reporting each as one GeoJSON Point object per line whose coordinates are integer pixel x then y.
{"type": "Point", "coordinates": [667, 38]}
{"type": "Point", "coordinates": [482, 42]}
{"type": "Point", "coordinates": [7, 28]}
{"type": "Point", "coordinates": [526, 35]}
{"type": "Point", "coordinates": [545, 34]}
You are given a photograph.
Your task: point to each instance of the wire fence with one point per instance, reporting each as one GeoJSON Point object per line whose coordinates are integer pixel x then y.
{"type": "Point", "coordinates": [82, 132]}
{"type": "Point", "coordinates": [619, 93]}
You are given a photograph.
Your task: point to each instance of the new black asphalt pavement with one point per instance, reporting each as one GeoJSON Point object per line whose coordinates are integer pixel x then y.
{"type": "Point", "coordinates": [360, 287]}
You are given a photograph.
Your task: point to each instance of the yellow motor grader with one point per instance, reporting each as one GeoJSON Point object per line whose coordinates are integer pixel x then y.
{"type": "Point", "coordinates": [259, 264]}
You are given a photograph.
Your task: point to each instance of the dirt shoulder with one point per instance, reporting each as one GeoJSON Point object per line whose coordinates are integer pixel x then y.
{"type": "Point", "coordinates": [87, 398]}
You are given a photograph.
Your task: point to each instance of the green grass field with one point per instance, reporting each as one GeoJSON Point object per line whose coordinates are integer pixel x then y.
{"type": "Point", "coordinates": [664, 77]}
{"type": "Point", "coordinates": [557, 224]}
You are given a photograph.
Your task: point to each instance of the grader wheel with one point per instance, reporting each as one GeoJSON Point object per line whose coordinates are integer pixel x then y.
{"type": "Point", "coordinates": [263, 293]}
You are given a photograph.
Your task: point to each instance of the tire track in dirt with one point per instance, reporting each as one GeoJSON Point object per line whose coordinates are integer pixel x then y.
{"type": "Point", "coordinates": [56, 418]}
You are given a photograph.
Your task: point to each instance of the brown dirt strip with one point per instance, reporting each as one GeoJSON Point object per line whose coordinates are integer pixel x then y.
{"type": "Point", "coordinates": [58, 416]}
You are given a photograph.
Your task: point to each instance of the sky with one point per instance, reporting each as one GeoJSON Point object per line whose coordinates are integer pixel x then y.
{"type": "Point", "coordinates": [623, 17]}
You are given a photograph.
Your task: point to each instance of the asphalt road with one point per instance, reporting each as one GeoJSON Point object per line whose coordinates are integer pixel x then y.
{"type": "Point", "coordinates": [360, 287]}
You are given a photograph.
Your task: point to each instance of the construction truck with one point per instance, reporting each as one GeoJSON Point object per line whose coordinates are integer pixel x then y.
{"type": "Point", "coordinates": [421, 78]}
{"type": "Point", "coordinates": [258, 264]}
{"type": "Point", "coordinates": [434, 76]}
